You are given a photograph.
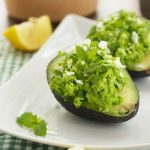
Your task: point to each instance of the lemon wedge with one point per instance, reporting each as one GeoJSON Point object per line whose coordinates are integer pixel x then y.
{"type": "Point", "coordinates": [29, 35]}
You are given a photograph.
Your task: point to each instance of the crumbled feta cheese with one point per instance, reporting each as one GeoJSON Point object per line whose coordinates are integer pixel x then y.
{"type": "Point", "coordinates": [99, 25]}
{"type": "Point", "coordinates": [102, 44]}
{"type": "Point", "coordinates": [69, 73]}
{"type": "Point", "coordinates": [86, 42]}
{"type": "Point", "coordinates": [135, 37]}
{"type": "Point", "coordinates": [76, 148]}
{"type": "Point", "coordinates": [69, 63]}
{"type": "Point", "coordinates": [118, 63]}
{"type": "Point", "coordinates": [79, 82]}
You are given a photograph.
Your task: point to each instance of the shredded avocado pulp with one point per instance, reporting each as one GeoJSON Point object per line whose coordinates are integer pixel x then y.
{"type": "Point", "coordinates": [89, 76]}
{"type": "Point", "coordinates": [128, 36]}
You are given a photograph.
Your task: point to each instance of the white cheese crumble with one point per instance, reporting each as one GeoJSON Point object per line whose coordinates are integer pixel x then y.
{"type": "Point", "coordinates": [79, 82]}
{"type": "Point", "coordinates": [99, 25]}
{"type": "Point", "coordinates": [118, 63]}
{"type": "Point", "coordinates": [69, 73]}
{"type": "Point", "coordinates": [135, 37]}
{"type": "Point", "coordinates": [76, 148]}
{"type": "Point", "coordinates": [102, 44]}
{"type": "Point", "coordinates": [86, 42]}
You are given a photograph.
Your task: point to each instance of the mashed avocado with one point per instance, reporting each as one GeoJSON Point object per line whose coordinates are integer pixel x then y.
{"type": "Point", "coordinates": [128, 36]}
{"type": "Point", "coordinates": [89, 75]}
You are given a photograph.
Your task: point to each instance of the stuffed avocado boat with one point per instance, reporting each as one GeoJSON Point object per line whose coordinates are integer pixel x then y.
{"type": "Point", "coordinates": [90, 83]}
{"type": "Point", "coordinates": [128, 37]}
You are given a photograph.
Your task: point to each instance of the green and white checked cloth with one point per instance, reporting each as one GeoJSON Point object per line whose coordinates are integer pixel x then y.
{"type": "Point", "coordinates": [10, 62]}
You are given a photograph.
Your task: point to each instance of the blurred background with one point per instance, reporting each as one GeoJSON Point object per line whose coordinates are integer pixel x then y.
{"type": "Point", "coordinates": [14, 11]}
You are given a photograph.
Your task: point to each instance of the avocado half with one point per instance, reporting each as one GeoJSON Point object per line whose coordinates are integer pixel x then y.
{"type": "Point", "coordinates": [126, 34]}
{"type": "Point", "coordinates": [130, 95]}
{"type": "Point", "coordinates": [141, 69]}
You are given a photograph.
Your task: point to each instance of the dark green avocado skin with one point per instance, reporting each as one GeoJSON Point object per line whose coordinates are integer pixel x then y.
{"type": "Point", "coordinates": [138, 74]}
{"type": "Point", "coordinates": [93, 115]}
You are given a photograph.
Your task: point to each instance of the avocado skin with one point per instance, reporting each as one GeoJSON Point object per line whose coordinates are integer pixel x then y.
{"type": "Point", "coordinates": [93, 115]}
{"type": "Point", "coordinates": [138, 74]}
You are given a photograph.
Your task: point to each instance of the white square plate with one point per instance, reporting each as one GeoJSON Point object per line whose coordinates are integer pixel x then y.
{"type": "Point", "coordinates": [28, 91]}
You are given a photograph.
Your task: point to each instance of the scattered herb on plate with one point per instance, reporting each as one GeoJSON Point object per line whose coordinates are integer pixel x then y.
{"type": "Point", "coordinates": [37, 124]}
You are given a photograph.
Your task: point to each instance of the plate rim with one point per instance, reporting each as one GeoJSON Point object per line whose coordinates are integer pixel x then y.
{"type": "Point", "coordinates": [36, 139]}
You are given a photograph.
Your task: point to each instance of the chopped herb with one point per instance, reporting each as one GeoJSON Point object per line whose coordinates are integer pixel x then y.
{"type": "Point", "coordinates": [127, 34]}
{"type": "Point", "coordinates": [37, 124]}
{"type": "Point", "coordinates": [92, 76]}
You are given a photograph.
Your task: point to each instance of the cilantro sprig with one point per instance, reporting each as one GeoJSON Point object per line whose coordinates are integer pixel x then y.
{"type": "Point", "coordinates": [37, 124]}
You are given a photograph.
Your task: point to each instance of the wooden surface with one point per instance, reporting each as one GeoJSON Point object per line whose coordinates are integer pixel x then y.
{"type": "Point", "coordinates": [105, 7]}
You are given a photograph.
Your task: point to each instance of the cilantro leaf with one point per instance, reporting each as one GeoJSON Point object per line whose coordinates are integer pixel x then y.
{"type": "Point", "coordinates": [27, 119]}
{"type": "Point", "coordinates": [40, 129]}
{"type": "Point", "coordinates": [33, 122]}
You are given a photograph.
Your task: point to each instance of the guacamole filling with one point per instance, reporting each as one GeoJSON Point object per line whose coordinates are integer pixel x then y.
{"type": "Point", "coordinates": [89, 76]}
{"type": "Point", "coordinates": [127, 35]}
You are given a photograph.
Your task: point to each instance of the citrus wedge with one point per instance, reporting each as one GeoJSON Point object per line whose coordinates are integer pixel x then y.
{"type": "Point", "coordinates": [30, 35]}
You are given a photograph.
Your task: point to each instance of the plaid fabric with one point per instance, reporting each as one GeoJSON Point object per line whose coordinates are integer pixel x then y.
{"type": "Point", "coordinates": [10, 62]}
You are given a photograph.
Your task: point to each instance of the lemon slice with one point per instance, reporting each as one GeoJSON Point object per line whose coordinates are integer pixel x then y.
{"type": "Point", "coordinates": [30, 35]}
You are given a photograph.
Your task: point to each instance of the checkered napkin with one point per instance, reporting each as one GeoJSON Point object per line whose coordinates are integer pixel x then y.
{"type": "Point", "coordinates": [10, 62]}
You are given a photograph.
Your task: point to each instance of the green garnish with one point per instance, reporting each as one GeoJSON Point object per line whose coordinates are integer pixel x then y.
{"type": "Point", "coordinates": [37, 124]}
{"type": "Point", "coordinates": [89, 74]}
{"type": "Point", "coordinates": [127, 34]}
